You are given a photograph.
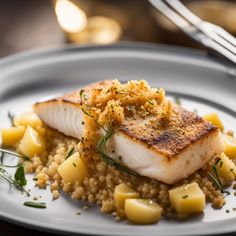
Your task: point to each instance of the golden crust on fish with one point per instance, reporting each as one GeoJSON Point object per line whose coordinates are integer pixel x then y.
{"type": "Point", "coordinates": [172, 137]}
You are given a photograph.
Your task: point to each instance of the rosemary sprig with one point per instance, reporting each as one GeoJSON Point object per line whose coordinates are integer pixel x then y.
{"type": "Point", "coordinates": [13, 154]}
{"type": "Point", "coordinates": [101, 147]}
{"type": "Point", "coordinates": [83, 95]}
{"type": "Point", "coordinates": [11, 117]}
{"type": "Point", "coordinates": [41, 205]}
{"type": "Point", "coordinates": [19, 181]}
{"type": "Point", "coordinates": [151, 101]}
{"type": "Point", "coordinates": [71, 151]}
{"type": "Point", "coordinates": [2, 157]}
{"type": "Point", "coordinates": [86, 112]}
{"type": "Point", "coordinates": [216, 179]}
{"type": "Point", "coordinates": [214, 169]}
{"type": "Point", "coordinates": [5, 175]}
{"type": "Point", "coordinates": [216, 182]}
{"type": "Point", "coordinates": [10, 166]}
{"type": "Point", "coordinates": [177, 101]}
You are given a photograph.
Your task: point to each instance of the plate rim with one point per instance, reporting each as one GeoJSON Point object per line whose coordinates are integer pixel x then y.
{"type": "Point", "coordinates": [11, 60]}
{"type": "Point", "coordinates": [213, 61]}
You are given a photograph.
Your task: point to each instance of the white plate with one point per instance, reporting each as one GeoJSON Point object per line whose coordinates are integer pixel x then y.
{"type": "Point", "coordinates": [200, 82]}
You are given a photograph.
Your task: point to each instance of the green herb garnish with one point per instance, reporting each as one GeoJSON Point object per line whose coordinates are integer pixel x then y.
{"type": "Point", "coordinates": [185, 196]}
{"type": "Point", "coordinates": [86, 112]}
{"type": "Point", "coordinates": [20, 176]}
{"type": "Point", "coordinates": [217, 160]}
{"type": "Point", "coordinates": [216, 182]}
{"type": "Point", "coordinates": [151, 101]}
{"type": "Point", "coordinates": [11, 117]}
{"type": "Point", "coordinates": [215, 171]}
{"type": "Point", "coordinates": [101, 147]}
{"type": "Point", "coordinates": [5, 175]}
{"type": "Point", "coordinates": [19, 181]}
{"type": "Point", "coordinates": [35, 204]}
{"type": "Point", "coordinates": [13, 154]}
{"type": "Point", "coordinates": [177, 101]}
{"type": "Point", "coordinates": [83, 95]}
{"type": "Point", "coordinates": [216, 179]}
{"type": "Point", "coordinates": [71, 151]}
{"type": "Point", "coordinates": [121, 91]}
{"type": "Point", "coordinates": [2, 157]}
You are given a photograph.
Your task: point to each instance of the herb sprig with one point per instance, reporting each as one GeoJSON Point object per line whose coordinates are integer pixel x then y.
{"type": "Point", "coordinates": [177, 101]}
{"type": "Point", "coordinates": [11, 117]}
{"type": "Point", "coordinates": [71, 151]}
{"type": "Point", "coordinates": [41, 205]}
{"type": "Point", "coordinates": [4, 151]}
{"type": "Point", "coordinates": [5, 175]}
{"type": "Point", "coordinates": [216, 177]}
{"type": "Point", "coordinates": [83, 97]}
{"type": "Point", "coordinates": [216, 182]}
{"type": "Point", "coordinates": [20, 176]}
{"type": "Point", "coordinates": [86, 112]}
{"type": "Point", "coordinates": [2, 157]}
{"type": "Point", "coordinates": [101, 147]}
{"type": "Point", "coordinates": [19, 180]}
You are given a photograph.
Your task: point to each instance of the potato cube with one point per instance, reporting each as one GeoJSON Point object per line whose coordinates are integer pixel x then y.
{"type": "Point", "coordinates": [10, 136]}
{"type": "Point", "coordinates": [32, 143]}
{"type": "Point", "coordinates": [226, 169]}
{"type": "Point", "coordinates": [229, 146]}
{"type": "Point", "coordinates": [28, 119]}
{"type": "Point", "coordinates": [123, 192]}
{"type": "Point", "coordinates": [187, 199]}
{"type": "Point", "coordinates": [73, 169]}
{"type": "Point", "coordinates": [142, 211]}
{"type": "Point", "coordinates": [214, 119]}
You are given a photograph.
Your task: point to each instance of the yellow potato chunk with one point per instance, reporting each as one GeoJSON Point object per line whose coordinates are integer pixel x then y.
{"type": "Point", "coordinates": [229, 146]}
{"type": "Point", "coordinates": [73, 169]}
{"type": "Point", "coordinates": [28, 119]}
{"type": "Point", "coordinates": [142, 211]}
{"type": "Point", "coordinates": [187, 199]}
{"type": "Point", "coordinates": [32, 143]}
{"type": "Point", "coordinates": [10, 136]}
{"type": "Point", "coordinates": [214, 119]}
{"type": "Point", "coordinates": [123, 192]}
{"type": "Point", "coordinates": [226, 169]}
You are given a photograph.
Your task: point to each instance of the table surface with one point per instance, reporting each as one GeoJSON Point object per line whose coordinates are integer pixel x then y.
{"type": "Point", "coordinates": [18, 33]}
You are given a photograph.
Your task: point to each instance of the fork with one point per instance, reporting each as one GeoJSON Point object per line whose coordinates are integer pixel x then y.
{"type": "Point", "coordinates": [210, 35]}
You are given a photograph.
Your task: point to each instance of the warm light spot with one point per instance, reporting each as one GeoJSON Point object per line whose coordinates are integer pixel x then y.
{"type": "Point", "coordinates": [99, 30]}
{"type": "Point", "coordinates": [104, 29]}
{"type": "Point", "coordinates": [70, 17]}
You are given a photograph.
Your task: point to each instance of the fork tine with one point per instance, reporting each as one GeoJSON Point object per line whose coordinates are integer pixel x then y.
{"type": "Point", "coordinates": [218, 37]}
{"type": "Point", "coordinates": [170, 14]}
{"type": "Point", "coordinates": [201, 31]}
{"type": "Point", "coordinates": [223, 33]}
{"type": "Point", "coordinates": [214, 32]}
{"type": "Point", "coordinates": [184, 11]}
{"type": "Point", "coordinates": [220, 49]}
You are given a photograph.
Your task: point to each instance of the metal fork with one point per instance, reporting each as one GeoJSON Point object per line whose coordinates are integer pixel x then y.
{"type": "Point", "coordinates": [210, 35]}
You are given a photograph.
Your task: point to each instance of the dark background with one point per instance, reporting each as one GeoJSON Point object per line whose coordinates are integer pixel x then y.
{"type": "Point", "coordinates": [26, 24]}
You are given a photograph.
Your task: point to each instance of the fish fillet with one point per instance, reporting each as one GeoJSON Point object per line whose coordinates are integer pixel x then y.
{"type": "Point", "coordinates": [166, 154]}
